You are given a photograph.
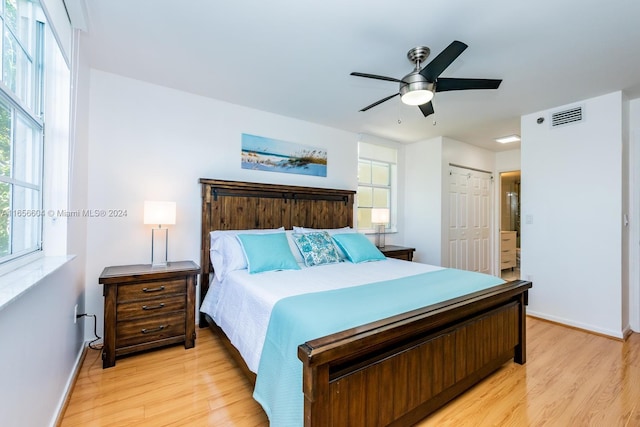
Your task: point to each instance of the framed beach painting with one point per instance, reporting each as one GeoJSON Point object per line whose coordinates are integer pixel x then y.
{"type": "Point", "coordinates": [274, 155]}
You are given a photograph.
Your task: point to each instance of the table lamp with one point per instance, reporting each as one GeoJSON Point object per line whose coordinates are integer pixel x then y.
{"type": "Point", "coordinates": [159, 213]}
{"type": "Point", "coordinates": [380, 219]}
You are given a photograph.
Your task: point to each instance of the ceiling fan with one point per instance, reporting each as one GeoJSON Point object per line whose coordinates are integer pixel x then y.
{"type": "Point", "coordinates": [419, 86]}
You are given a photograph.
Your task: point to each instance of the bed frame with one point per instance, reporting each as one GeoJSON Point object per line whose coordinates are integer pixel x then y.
{"type": "Point", "coordinates": [393, 371]}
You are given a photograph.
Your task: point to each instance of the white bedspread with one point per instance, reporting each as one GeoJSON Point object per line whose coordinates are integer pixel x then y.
{"type": "Point", "coordinates": [241, 304]}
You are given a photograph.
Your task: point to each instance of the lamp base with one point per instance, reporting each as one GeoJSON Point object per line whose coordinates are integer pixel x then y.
{"type": "Point", "coordinates": [380, 235]}
{"type": "Point", "coordinates": [159, 247]}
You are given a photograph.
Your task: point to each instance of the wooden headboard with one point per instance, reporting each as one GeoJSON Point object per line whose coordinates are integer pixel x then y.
{"type": "Point", "coordinates": [233, 205]}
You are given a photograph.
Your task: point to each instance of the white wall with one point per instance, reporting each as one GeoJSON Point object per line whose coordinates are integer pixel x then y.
{"type": "Point", "coordinates": [423, 199]}
{"type": "Point", "coordinates": [79, 172]}
{"type": "Point", "coordinates": [56, 148]}
{"type": "Point", "coordinates": [465, 155]}
{"type": "Point", "coordinates": [148, 142]}
{"type": "Point", "coordinates": [40, 346]}
{"type": "Point", "coordinates": [571, 216]}
{"type": "Point", "coordinates": [507, 161]}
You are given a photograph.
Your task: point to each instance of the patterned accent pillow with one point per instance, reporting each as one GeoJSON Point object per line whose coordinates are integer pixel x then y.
{"type": "Point", "coordinates": [317, 248]}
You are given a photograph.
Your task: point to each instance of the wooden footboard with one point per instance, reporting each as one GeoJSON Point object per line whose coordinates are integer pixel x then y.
{"type": "Point", "coordinates": [398, 370]}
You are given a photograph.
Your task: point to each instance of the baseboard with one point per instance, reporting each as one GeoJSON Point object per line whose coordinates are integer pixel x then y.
{"type": "Point", "coordinates": [577, 325]}
{"type": "Point", "coordinates": [64, 401]}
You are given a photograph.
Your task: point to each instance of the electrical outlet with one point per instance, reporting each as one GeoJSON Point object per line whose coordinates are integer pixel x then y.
{"type": "Point", "coordinates": [75, 313]}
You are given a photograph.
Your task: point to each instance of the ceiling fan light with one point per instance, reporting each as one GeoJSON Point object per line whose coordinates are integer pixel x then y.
{"type": "Point", "coordinates": [417, 97]}
{"type": "Point", "coordinates": [415, 90]}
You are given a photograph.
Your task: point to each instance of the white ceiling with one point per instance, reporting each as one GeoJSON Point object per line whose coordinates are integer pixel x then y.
{"type": "Point", "coordinates": [294, 57]}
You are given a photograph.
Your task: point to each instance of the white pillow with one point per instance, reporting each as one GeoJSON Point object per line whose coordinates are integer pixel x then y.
{"type": "Point", "coordinates": [294, 248]}
{"type": "Point", "coordinates": [331, 231]}
{"type": "Point", "coordinates": [226, 252]}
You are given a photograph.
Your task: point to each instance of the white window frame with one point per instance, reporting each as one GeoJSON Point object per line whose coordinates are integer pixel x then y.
{"type": "Point", "coordinates": [367, 153]}
{"type": "Point", "coordinates": [30, 111]}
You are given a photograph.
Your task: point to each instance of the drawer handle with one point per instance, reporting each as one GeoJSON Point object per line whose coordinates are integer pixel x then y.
{"type": "Point", "coordinates": [161, 288]}
{"type": "Point", "coordinates": [153, 307]}
{"type": "Point", "coordinates": [158, 329]}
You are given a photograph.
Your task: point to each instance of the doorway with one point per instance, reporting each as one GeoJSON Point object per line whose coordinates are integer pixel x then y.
{"type": "Point", "coordinates": [470, 225]}
{"type": "Point", "coordinates": [510, 225]}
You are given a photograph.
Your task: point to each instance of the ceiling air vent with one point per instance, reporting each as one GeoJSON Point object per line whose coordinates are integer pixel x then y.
{"type": "Point", "coordinates": [566, 117]}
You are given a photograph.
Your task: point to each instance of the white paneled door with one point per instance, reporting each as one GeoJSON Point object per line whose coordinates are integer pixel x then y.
{"type": "Point", "coordinates": [470, 225]}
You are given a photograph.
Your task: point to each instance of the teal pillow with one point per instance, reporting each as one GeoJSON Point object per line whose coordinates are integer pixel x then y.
{"type": "Point", "coordinates": [317, 248]}
{"type": "Point", "coordinates": [358, 248]}
{"type": "Point", "coordinates": [267, 252]}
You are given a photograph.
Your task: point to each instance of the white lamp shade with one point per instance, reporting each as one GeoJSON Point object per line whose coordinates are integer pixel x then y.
{"type": "Point", "coordinates": [379, 216]}
{"type": "Point", "coordinates": [417, 97]}
{"type": "Point", "coordinates": [158, 213]}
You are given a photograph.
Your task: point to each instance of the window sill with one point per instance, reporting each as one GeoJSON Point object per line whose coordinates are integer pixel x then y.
{"type": "Point", "coordinates": [16, 283]}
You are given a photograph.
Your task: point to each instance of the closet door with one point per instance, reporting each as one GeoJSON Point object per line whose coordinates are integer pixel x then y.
{"type": "Point", "coordinates": [469, 236]}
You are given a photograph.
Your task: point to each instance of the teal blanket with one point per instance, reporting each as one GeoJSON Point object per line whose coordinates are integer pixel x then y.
{"type": "Point", "coordinates": [297, 319]}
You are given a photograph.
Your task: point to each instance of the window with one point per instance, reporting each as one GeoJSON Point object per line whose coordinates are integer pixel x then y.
{"type": "Point", "coordinates": [376, 182]}
{"type": "Point", "coordinates": [21, 129]}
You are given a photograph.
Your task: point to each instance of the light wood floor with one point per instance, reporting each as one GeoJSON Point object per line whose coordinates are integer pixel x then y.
{"type": "Point", "coordinates": [571, 378]}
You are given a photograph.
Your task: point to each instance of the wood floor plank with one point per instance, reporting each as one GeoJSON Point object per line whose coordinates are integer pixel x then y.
{"type": "Point", "coordinates": [571, 377]}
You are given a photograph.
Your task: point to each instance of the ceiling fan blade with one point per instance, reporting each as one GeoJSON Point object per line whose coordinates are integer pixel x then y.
{"type": "Point", "coordinates": [374, 76]}
{"type": "Point", "coordinates": [427, 108]}
{"type": "Point", "coordinates": [445, 84]}
{"type": "Point", "coordinates": [379, 102]}
{"type": "Point", "coordinates": [443, 60]}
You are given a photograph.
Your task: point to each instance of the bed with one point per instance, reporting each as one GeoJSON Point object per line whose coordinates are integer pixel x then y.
{"type": "Point", "coordinates": [393, 370]}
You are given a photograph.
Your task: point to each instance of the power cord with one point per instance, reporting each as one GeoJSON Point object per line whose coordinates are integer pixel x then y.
{"type": "Point", "coordinates": [95, 330]}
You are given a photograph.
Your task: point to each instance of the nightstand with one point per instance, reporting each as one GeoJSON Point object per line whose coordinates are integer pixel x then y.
{"type": "Point", "coordinates": [399, 252]}
{"type": "Point", "coordinates": [147, 307]}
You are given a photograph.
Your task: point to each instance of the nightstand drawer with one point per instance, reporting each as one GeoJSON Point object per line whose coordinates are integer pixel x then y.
{"type": "Point", "coordinates": [142, 290]}
{"type": "Point", "coordinates": [144, 330]}
{"type": "Point", "coordinates": [150, 307]}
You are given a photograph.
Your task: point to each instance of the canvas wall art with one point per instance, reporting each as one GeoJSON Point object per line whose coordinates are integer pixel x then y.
{"type": "Point", "coordinates": [274, 155]}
